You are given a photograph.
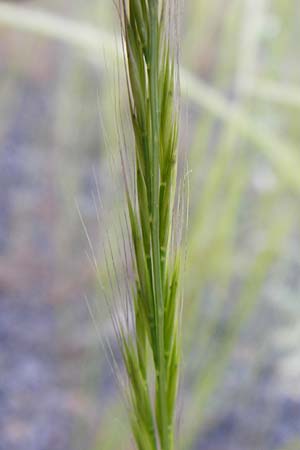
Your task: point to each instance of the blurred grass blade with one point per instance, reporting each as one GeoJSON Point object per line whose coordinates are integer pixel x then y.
{"type": "Point", "coordinates": [283, 157]}
{"type": "Point", "coordinates": [84, 36]}
{"type": "Point", "coordinates": [210, 376]}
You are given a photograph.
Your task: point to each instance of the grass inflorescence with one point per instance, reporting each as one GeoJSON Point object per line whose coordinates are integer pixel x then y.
{"type": "Point", "coordinates": [151, 352]}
